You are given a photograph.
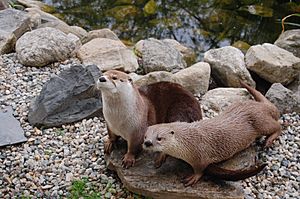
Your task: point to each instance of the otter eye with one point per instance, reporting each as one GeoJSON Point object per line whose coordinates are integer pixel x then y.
{"type": "Point", "coordinates": [130, 79]}
{"type": "Point", "coordinates": [114, 78]}
{"type": "Point", "coordinates": [172, 132]}
{"type": "Point", "coordinates": [158, 138]}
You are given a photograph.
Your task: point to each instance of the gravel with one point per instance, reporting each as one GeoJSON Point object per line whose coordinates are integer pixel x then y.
{"type": "Point", "coordinates": [53, 158]}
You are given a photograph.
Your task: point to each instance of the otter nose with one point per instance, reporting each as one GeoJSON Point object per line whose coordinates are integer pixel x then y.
{"type": "Point", "coordinates": [148, 143]}
{"type": "Point", "coordinates": [102, 79]}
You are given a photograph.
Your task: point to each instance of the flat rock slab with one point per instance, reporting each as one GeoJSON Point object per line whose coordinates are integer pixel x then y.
{"type": "Point", "coordinates": [164, 182]}
{"type": "Point", "coordinates": [10, 129]}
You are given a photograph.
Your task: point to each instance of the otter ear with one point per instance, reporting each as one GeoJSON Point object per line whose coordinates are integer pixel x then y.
{"type": "Point", "coordinates": [172, 132]}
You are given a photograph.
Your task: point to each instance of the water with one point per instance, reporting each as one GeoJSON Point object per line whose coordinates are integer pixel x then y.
{"type": "Point", "coordinates": [200, 24]}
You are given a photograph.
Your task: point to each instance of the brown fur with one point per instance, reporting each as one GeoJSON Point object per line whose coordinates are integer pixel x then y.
{"type": "Point", "coordinates": [128, 113]}
{"type": "Point", "coordinates": [214, 140]}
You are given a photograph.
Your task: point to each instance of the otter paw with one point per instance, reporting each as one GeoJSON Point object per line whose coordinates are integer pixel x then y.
{"type": "Point", "coordinates": [108, 145]}
{"type": "Point", "coordinates": [159, 160]}
{"type": "Point", "coordinates": [128, 161]}
{"type": "Point", "coordinates": [191, 180]}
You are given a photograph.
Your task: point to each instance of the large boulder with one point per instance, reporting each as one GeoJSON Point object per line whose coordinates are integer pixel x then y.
{"type": "Point", "coordinates": [272, 63]}
{"type": "Point", "coordinates": [188, 54]}
{"type": "Point", "coordinates": [219, 99]}
{"type": "Point", "coordinates": [46, 45]}
{"type": "Point", "coordinates": [290, 41]}
{"type": "Point", "coordinates": [14, 23]}
{"type": "Point", "coordinates": [156, 55]}
{"type": "Point", "coordinates": [228, 66]}
{"type": "Point", "coordinates": [101, 33]}
{"type": "Point", "coordinates": [41, 19]}
{"type": "Point", "coordinates": [67, 98]}
{"type": "Point", "coordinates": [284, 99]}
{"type": "Point", "coordinates": [194, 78]}
{"type": "Point", "coordinates": [108, 54]}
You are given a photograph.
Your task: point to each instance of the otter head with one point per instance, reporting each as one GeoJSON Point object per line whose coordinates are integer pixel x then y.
{"type": "Point", "coordinates": [161, 138]}
{"type": "Point", "coordinates": [114, 81]}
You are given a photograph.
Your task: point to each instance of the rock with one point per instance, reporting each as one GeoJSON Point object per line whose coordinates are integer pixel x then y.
{"type": "Point", "coordinates": [101, 33]}
{"type": "Point", "coordinates": [272, 63]}
{"type": "Point", "coordinates": [228, 66]}
{"type": "Point", "coordinates": [10, 129]}
{"type": "Point", "coordinates": [220, 98]}
{"type": "Point", "coordinates": [290, 41]}
{"type": "Point", "coordinates": [4, 4]}
{"type": "Point", "coordinates": [33, 4]}
{"type": "Point", "coordinates": [144, 179]}
{"type": "Point", "coordinates": [194, 78]}
{"type": "Point", "coordinates": [284, 99]}
{"type": "Point", "coordinates": [14, 23]}
{"type": "Point", "coordinates": [108, 54]}
{"type": "Point", "coordinates": [243, 46]}
{"type": "Point", "coordinates": [157, 55]}
{"type": "Point", "coordinates": [46, 45]}
{"type": "Point", "coordinates": [154, 77]}
{"type": "Point", "coordinates": [41, 19]}
{"type": "Point", "coordinates": [67, 98]}
{"type": "Point", "coordinates": [188, 54]}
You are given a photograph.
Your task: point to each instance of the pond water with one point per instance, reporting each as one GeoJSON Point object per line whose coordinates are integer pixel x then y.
{"type": "Point", "coordinates": [200, 24]}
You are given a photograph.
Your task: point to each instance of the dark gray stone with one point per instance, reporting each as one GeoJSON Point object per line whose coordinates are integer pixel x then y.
{"type": "Point", "coordinates": [10, 129]}
{"type": "Point", "coordinates": [284, 99]}
{"type": "Point", "coordinates": [13, 24]}
{"type": "Point", "coordinates": [164, 182]}
{"type": "Point", "coordinates": [67, 98]}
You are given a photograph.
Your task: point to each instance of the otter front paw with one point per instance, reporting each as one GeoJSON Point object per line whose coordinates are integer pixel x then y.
{"type": "Point", "coordinates": [159, 160]}
{"type": "Point", "coordinates": [108, 145]}
{"type": "Point", "coordinates": [128, 161]}
{"type": "Point", "coordinates": [191, 180]}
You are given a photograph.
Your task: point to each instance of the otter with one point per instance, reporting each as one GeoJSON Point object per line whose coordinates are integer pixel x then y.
{"type": "Point", "coordinates": [206, 142]}
{"type": "Point", "coordinates": [128, 110]}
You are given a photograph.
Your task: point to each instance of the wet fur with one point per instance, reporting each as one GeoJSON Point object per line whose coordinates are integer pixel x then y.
{"type": "Point", "coordinates": [210, 141]}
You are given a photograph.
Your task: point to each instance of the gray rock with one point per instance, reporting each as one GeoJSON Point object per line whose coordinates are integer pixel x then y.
{"type": "Point", "coordinates": [194, 78]}
{"type": "Point", "coordinates": [10, 129]}
{"type": "Point", "coordinates": [284, 99]}
{"type": "Point", "coordinates": [108, 54]}
{"type": "Point", "coordinates": [67, 98]}
{"type": "Point", "coordinates": [290, 41]}
{"type": "Point", "coordinates": [46, 45]}
{"type": "Point", "coordinates": [4, 4]}
{"type": "Point", "coordinates": [13, 24]}
{"type": "Point", "coordinates": [101, 33]}
{"type": "Point", "coordinates": [153, 77]}
{"type": "Point", "coordinates": [220, 98]}
{"type": "Point", "coordinates": [272, 63]}
{"type": "Point", "coordinates": [32, 4]}
{"type": "Point", "coordinates": [144, 179]}
{"type": "Point", "coordinates": [41, 19]}
{"type": "Point", "coordinates": [157, 55]}
{"type": "Point", "coordinates": [228, 66]}
{"type": "Point", "coordinates": [188, 54]}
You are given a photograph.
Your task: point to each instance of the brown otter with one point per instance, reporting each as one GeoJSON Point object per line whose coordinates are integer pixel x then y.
{"type": "Point", "coordinates": [206, 142]}
{"type": "Point", "coordinates": [129, 110]}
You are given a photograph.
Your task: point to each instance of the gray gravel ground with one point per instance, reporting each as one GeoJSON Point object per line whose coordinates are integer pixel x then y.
{"type": "Point", "coordinates": [46, 165]}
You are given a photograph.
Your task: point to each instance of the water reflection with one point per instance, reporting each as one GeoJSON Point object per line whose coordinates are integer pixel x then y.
{"type": "Point", "coordinates": [200, 24]}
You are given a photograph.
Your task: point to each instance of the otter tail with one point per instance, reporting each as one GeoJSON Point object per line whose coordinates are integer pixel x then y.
{"type": "Point", "coordinates": [256, 94]}
{"type": "Point", "coordinates": [261, 98]}
{"type": "Point", "coordinates": [233, 175]}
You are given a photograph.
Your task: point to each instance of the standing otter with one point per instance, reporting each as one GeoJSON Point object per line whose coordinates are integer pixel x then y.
{"type": "Point", "coordinates": [129, 110]}
{"type": "Point", "coordinates": [205, 142]}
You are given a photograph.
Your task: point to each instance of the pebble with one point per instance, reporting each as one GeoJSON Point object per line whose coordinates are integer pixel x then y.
{"type": "Point", "coordinates": [45, 166]}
